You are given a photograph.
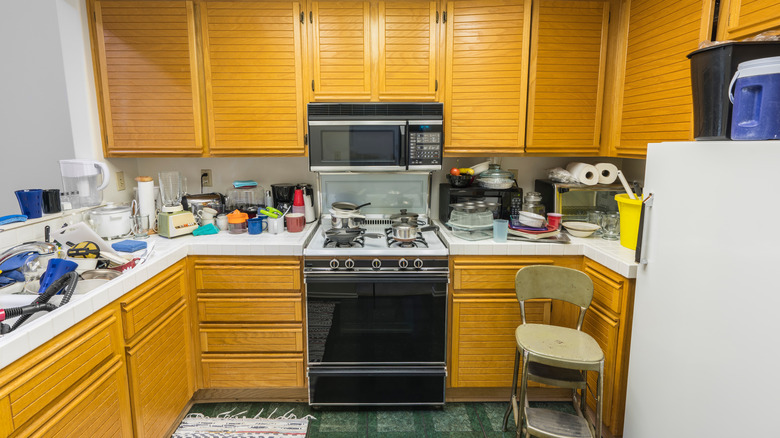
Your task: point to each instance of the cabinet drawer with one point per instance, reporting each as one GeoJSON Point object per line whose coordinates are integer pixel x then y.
{"type": "Point", "coordinates": [213, 308]}
{"type": "Point", "coordinates": [232, 339]}
{"type": "Point", "coordinates": [270, 274]}
{"type": "Point", "coordinates": [475, 274]}
{"type": "Point", "coordinates": [483, 338]}
{"type": "Point", "coordinates": [605, 331]}
{"type": "Point", "coordinates": [160, 377]}
{"type": "Point", "coordinates": [252, 371]}
{"type": "Point", "coordinates": [607, 287]}
{"type": "Point", "coordinates": [98, 411]}
{"type": "Point", "coordinates": [153, 299]}
{"type": "Point", "coordinates": [51, 378]}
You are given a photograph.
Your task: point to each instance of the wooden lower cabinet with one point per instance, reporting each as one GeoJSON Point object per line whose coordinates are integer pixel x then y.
{"type": "Point", "coordinates": [484, 314]}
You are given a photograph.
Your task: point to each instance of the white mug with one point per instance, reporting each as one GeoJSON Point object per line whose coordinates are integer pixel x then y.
{"type": "Point", "coordinates": [204, 221]}
{"type": "Point", "coordinates": [275, 226]}
{"type": "Point", "coordinates": [222, 222]}
{"type": "Point", "coordinates": [207, 213]}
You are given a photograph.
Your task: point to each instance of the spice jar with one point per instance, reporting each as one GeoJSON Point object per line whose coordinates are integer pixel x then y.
{"type": "Point", "coordinates": [237, 222]}
{"type": "Point", "coordinates": [532, 203]}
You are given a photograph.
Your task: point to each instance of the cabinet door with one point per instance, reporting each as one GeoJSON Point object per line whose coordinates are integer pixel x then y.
{"type": "Point", "coordinates": [746, 17]}
{"type": "Point", "coordinates": [483, 338]}
{"type": "Point", "coordinates": [486, 76]}
{"type": "Point", "coordinates": [341, 45]}
{"type": "Point", "coordinates": [252, 61]}
{"type": "Point", "coordinates": [160, 372]}
{"type": "Point", "coordinates": [605, 330]}
{"type": "Point", "coordinates": [147, 78]}
{"type": "Point", "coordinates": [657, 103]}
{"type": "Point", "coordinates": [407, 50]}
{"type": "Point", "coordinates": [566, 79]}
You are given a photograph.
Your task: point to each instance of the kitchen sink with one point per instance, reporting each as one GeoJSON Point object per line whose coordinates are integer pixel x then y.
{"type": "Point", "coordinates": [14, 296]}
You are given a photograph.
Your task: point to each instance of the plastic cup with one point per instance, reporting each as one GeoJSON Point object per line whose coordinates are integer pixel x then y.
{"type": "Point", "coordinates": [554, 220]}
{"type": "Point", "coordinates": [30, 202]}
{"type": "Point", "coordinates": [500, 229]}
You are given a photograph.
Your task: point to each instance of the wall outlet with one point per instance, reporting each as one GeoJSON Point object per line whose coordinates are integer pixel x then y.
{"type": "Point", "coordinates": [205, 177]}
{"type": "Point", "coordinates": [120, 181]}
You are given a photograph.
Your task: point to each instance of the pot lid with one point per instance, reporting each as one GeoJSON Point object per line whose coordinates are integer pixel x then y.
{"type": "Point", "coordinates": [111, 209]}
{"type": "Point", "coordinates": [403, 215]}
{"type": "Point", "coordinates": [494, 171]}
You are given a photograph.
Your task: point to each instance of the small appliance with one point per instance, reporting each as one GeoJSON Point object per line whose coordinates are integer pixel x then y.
{"type": "Point", "coordinates": [173, 220]}
{"type": "Point", "coordinates": [283, 195]}
{"type": "Point", "coordinates": [110, 222]}
{"type": "Point", "coordinates": [455, 195]}
{"type": "Point", "coordinates": [195, 203]}
{"type": "Point", "coordinates": [575, 201]}
{"type": "Point", "coordinates": [80, 182]}
{"type": "Point", "coordinates": [376, 137]}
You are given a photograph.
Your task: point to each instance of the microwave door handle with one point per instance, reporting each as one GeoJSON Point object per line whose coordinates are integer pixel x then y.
{"type": "Point", "coordinates": [403, 160]}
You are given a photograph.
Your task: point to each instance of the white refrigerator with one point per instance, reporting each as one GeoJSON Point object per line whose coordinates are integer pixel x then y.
{"type": "Point", "coordinates": [705, 344]}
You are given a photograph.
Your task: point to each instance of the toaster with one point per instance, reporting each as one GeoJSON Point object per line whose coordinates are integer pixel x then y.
{"type": "Point", "coordinates": [574, 201]}
{"type": "Point", "coordinates": [195, 203]}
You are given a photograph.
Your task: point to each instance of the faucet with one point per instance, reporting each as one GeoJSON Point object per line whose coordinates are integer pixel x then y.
{"type": "Point", "coordinates": [42, 248]}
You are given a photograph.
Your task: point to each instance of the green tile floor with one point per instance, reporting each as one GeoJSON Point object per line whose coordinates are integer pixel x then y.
{"type": "Point", "coordinates": [456, 420]}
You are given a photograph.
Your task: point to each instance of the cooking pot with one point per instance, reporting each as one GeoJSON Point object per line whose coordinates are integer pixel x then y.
{"type": "Point", "coordinates": [110, 222]}
{"type": "Point", "coordinates": [406, 231]}
{"type": "Point", "coordinates": [345, 219]}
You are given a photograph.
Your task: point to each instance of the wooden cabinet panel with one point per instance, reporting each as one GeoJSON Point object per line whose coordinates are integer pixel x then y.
{"type": "Point", "coordinates": [608, 287]}
{"type": "Point", "coordinates": [341, 46]}
{"type": "Point", "coordinates": [483, 338]}
{"type": "Point", "coordinates": [160, 369]}
{"type": "Point", "coordinates": [566, 79]}
{"type": "Point", "coordinates": [214, 308]}
{"type": "Point", "coordinates": [148, 86]}
{"type": "Point", "coordinates": [486, 76]}
{"type": "Point", "coordinates": [248, 371]}
{"type": "Point", "coordinates": [251, 339]}
{"type": "Point", "coordinates": [482, 273]}
{"type": "Point", "coordinates": [746, 17]}
{"type": "Point", "coordinates": [97, 411]}
{"type": "Point", "coordinates": [254, 78]}
{"type": "Point", "coordinates": [605, 331]}
{"type": "Point", "coordinates": [270, 274]}
{"type": "Point", "coordinates": [145, 305]}
{"type": "Point", "coordinates": [407, 50]}
{"type": "Point", "coordinates": [656, 102]}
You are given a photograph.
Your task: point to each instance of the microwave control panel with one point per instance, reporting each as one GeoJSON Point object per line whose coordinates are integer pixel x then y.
{"type": "Point", "coordinates": [426, 140]}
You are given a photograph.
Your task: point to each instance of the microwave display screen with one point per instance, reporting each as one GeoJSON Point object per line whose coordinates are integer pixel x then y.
{"type": "Point", "coordinates": [359, 146]}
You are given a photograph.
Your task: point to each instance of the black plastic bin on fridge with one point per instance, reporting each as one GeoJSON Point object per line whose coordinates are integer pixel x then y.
{"type": "Point", "coordinates": [711, 71]}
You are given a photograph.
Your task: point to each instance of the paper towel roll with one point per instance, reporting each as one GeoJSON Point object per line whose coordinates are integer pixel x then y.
{"type": "Point", "coordinates": [146, 197]}
{"type": "Point", "coordinates": [607, 172]}
{"type": "Point", "coordinates": [586, 173]}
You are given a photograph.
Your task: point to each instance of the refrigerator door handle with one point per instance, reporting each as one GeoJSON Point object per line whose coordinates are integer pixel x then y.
{"type": "Point", "coordinates": [639, 255]}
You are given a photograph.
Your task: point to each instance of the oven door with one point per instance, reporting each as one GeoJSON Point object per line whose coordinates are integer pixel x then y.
{"type": "Point", "coordinates": [373, 320]}
{"type": "Point", "coordinates": [362, 145]}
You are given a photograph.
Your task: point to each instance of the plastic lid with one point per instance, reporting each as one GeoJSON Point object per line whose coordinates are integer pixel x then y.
{"type": "Point", "coordinates": [494, 171]}
{"type": "Point", "coordinates": [761, 66]}
{"type": "Point", "coordinates": [533, 197]}
{"type": "Point", "coordinates": [237, 217]}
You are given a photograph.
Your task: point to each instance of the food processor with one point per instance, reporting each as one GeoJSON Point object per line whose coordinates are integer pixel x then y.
{"type": "Point", "coordinates": [173, 220]}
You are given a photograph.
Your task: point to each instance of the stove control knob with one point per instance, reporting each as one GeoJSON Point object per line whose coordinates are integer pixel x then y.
{"type": "Point", "coordinates": [403, 263]}
{"type": "Point", "coordinates": [418, 264]}
{"type": "Point", "coordinates": [334, 264]}
{"type": "Point", "coordinates": [349, 264]}
{"type": "Point", "coordinates": [376, 264]}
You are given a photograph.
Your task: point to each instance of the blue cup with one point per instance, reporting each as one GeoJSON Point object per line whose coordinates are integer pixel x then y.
{"type": "Point", "coordinates": [500, 230]}
{"type": "Point", "coordinates": [30, 202]}
{"type": "Point", "coordinates": [257, 224]}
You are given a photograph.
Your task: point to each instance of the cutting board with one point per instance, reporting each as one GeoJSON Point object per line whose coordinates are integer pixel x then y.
{"type": "Point", "coordinates": [80, 232]}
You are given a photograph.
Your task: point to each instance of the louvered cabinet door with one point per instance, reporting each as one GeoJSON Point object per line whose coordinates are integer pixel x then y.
{"type": "Point", "coordinates": [341, 46]}
{"type": "Point", "coordinates": [746, 17]}
{"type": "Point", "coordinates": [657, 104]}
{"type": "Point", "coordinates": [407, 51]}
{"type": "Point", "coordinates": [486, 76]}
{"type": "Point", "coordinates": [253, 71]}
{"type": "Point", "coordinates": [566, 78]}
{"type": "Point", "coordinates": [148, 82]}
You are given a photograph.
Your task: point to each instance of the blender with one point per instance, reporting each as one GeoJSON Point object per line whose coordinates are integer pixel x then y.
{"type": "Point", "coordinates": [173, 220]}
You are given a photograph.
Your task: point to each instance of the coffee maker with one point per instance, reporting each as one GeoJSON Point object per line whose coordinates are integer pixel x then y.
{"type": "Point", "coordinates": [283, 195]}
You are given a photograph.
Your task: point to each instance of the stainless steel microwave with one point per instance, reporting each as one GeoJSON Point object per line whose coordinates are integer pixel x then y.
{"type": "Point", "coordinates": [574, 201]}
{"type": "Point", "coordinates": [378, 137]}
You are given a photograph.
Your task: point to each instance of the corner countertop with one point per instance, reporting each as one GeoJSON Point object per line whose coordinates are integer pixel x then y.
{"type": "Point", "coordinates": [608, 253]}
{"type": "Point", "coordinates": [166, 252]}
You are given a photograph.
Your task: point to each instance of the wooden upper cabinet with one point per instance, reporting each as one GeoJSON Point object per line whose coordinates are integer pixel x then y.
{"type": "Point", "coordinates": [746, 17]}
{"type": "Point", "coordinates": [486, 76]}
{"type": "Point", "coordinates": [656, 102]}
{"type": "Point", "coordinates": [252, 62]}
{"type": "Point", "coordinates": [566, 79]}
{"type": "Point", "coordinates": [407, 50]}
{"type": "Point", "coordinates": [147, 81]}
{"type": "Point", "coordinates": [341, 46]}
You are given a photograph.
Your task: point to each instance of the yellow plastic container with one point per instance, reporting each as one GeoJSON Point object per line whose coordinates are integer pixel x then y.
{"type": "Point", "coordinates": [630, 209]}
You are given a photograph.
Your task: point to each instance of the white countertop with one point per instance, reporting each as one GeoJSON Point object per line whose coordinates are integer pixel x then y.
{"type": "Point", "coordinates": [608, 253]}
{"type": "Point", "coordinates": [166, 252]}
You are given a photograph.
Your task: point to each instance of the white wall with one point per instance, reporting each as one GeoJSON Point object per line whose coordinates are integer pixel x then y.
{"type": "Point", "coordinates": [35, 125]}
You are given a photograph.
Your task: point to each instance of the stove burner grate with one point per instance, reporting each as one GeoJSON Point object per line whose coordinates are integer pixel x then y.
{"type": "Point", "coordinates": [359, 242]}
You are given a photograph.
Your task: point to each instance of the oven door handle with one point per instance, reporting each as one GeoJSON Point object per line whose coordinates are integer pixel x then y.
{"type": "Point", "coordinates": [374, 277]}
{"type": "Point", "coordinates": [409, 371]}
